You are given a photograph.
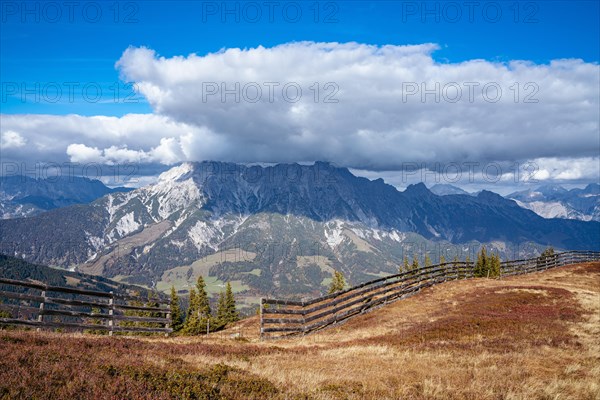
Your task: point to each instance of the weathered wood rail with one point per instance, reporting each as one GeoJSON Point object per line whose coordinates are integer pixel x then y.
{"type": "Point", "coordinates": [283, 318]}
{"type": "Point", "coordinates": [79, 309]}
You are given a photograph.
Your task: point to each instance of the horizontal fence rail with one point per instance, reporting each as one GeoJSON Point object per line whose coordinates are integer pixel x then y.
{"type": "Point", "coordinates": [284, 318]}
{"type": "Point", "coordinates": [43, 306]}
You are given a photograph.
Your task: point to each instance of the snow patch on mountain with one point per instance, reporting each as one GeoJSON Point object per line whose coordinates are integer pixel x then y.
{"type": "Point", "coordinates": [181, 172]}
{"type": "Point", "coordinates": [333, 233]}
{"type": "Point", "coordinates": [397, 237]}
{"type": "Point", "coordinates": [173, 196]}
{"type": "Point", "coordinates": [96, 242]}
{"type": "Point", "coordinates": [125, 225]}
{"type": "Point", "coordinates": [203, 234]}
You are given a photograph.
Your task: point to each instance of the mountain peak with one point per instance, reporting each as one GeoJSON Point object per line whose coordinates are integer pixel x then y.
{"type": "Point", "coordinates": [444, 189]}
{"type": "Point", "coordinates": [178, 173]}
{"type": "Point", "coordinates": [417, 189]}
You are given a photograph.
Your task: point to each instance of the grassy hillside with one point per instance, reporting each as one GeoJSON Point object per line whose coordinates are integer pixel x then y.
{"type": "Point", "coordinates": [526, 337]}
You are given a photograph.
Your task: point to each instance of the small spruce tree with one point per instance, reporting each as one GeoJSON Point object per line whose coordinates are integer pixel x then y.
{"type": "Point", "coordinates": [221, 318]}
{"type": "Point", "coordinates": [405, 264]}
{"type": "Point", "coordinates": [232, 314]}
{"type": "Point", "coordinates": [495, 266]}
{"type": "Point", "coordinates": [427, 260]}
{"type": "Point", "coordinates": [546, 258]}
{"type": "Point", "coordinates": [199, 313]}
{"type": "Point", "coordinates": [481, 266]}
{"type": "Point", "coordinates": [415, 265]}
{"type": "Point", "coordinates": [176, 314]}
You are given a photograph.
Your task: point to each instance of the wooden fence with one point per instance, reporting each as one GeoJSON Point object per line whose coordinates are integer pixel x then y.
{"type": "Point", "coordinates": [78, 309]}
{"type": "Point", "coordinates": [282, 318]}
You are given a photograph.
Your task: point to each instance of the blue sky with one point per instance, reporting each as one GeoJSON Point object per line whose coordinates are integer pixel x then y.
{"type": "Point", "coordinates": [84, 46]}
{"type": "Point", "coordinates": [68, 72]}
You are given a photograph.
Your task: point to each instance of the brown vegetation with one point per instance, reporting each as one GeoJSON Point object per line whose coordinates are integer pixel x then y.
{"type": "Point", "coordinates": [528, 337]}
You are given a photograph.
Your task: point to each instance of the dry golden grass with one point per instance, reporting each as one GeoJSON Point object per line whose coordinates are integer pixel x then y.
{"type": "Point", "coordinates": [528, 337]}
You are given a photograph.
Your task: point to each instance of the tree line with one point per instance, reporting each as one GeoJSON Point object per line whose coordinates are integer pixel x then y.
{"type": "Point", "coordinates": [199, 318]}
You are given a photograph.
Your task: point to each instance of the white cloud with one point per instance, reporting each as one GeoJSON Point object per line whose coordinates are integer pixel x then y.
{"type": "Point", "coordinates": [544, 111]}
{"type": "Point", "coordinates": [80, 153]}
{"type": "Point", "coordinates": [377, 124]}
{"type": "Point", "coordinates": [11, 140]}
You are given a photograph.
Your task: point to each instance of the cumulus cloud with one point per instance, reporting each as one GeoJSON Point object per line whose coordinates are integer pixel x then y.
{"type": "Point", "coordinates": [373, 108]}
{"type": "Point", "coordinates": [390, 104]}
{"type": "Point", "coordinates": [11, 139]}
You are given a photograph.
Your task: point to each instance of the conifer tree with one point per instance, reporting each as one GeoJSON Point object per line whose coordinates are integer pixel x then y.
{"type": "Point", "coordinates": [406, 265]}
{"type": "Point", "coordinates": [202, 298]}
{"type": "Point", "coordinates": [482, 265]}
{"type": "Point", "coordinates": [191, 326]}
{"type": "Point", "coordinates": [495, 266]}
{"type": "Point", "coordinates": [415, 265]}
{"type": "Point", "coordinates": [176, 315]}
{"type": "Point", "coordinates": [442, 259]}
{"type": "Point", "coordinates": [232, 314]}
{"type": "Point", "coordinates": [221, 318]}
{"type": "Point", "coordinates": [199, 313]}
{"type": "Point", "coordinates": [338, 282]}
{"type": "Point", "coordinates": [427, 261]}
{"type": "Point", "coordinates": [547, 257]}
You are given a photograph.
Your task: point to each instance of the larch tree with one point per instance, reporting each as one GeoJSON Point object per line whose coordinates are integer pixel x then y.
{"type": "Point", "coordinates": [337, 283]}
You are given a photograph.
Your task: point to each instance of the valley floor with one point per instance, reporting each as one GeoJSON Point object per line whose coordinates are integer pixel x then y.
{"type": "Point", "coordinates": [527, 337]}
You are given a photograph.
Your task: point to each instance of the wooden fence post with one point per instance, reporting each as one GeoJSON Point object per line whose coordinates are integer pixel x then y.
{"type": "Point", "coordinates": [260, 310]}
{"type": "Point", "coordinates": [41, 312]}
{"type": "Point", "coordinates": [111, 312]}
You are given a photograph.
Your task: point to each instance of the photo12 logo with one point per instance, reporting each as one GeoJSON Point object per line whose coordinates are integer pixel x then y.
{"type": "Point", "coordinates": [69, 92]}
{"type": "Point", "coordinates": [112, 175]}
{"type": "Point", "coordinates": [254, 92]}
{"type": "Point", "coordinates": [523, 12]}
{"type": "Point", "coordinates": [471, 92]}
{"type": "Point", "coordinates": [52, 12]}
{"type": "Point", "coordinates": [469, 172]}
{"type": "Point", "coordinates": [252, 12]}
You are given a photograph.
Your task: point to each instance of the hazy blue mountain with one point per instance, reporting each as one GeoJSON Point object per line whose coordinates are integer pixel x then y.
{"type": "Point", "coordinates": [22, 196]}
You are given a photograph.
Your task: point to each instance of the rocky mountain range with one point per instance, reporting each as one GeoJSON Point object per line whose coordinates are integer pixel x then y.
{"type": "Point", "coordinates": [278, 230]}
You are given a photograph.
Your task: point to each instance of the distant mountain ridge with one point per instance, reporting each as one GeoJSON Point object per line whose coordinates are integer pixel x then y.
{"type": "Point", "coordinates": [444, 189]}
{"type": "Point", "coordinates": [277, 230]}
{"type": "Point", "coordinates": [23, 196]}
{"type": "Point", "coordinates": [554, 201]}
